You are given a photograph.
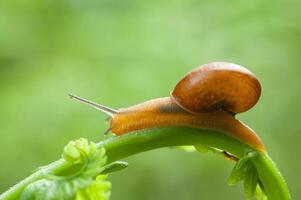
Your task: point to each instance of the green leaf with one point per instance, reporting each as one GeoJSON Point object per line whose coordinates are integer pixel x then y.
{"type": "Point", "coordinates": [201, 148]}
{"type": "Point", "coordinates": [259, 193]}
{"type": "Point", "coordinates": [76, 151]}
{"type": "Point", "coordinates": [114, 167]}
{"type": "Point", "coordinates": [239, 171]}
{"type": "Point", "coordinates": [250, 179]}
{"type": "Point", "coordinates": [87, 162]}
{"type": "Point", "coordinates": [245, 171]}
{"type": "Point", "coordinates": [99, 189]}
{"type": "Point", "coordinates": [186, 148]}
{"type": "Point", "coordinates": [51, 190]}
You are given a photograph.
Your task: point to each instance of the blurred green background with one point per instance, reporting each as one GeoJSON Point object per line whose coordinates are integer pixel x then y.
{"type": "Point", "coordinates": [120, 53]}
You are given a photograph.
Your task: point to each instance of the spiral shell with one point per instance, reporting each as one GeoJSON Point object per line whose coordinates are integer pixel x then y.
{"type": "Point", "coordinates": [217, 86]}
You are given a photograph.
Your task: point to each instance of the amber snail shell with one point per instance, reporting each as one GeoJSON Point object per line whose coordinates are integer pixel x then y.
{"type": "Point", "coordinates": [215, 86]}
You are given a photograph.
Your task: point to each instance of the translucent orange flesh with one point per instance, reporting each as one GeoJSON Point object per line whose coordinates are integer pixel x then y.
{"type": "Point", "coordinates": [164, 113]}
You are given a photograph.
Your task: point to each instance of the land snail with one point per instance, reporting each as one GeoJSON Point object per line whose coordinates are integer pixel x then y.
{"type": "Point", "coordinates": [208, 97]}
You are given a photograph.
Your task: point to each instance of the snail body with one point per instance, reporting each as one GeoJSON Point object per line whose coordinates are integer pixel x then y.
{"type": "Point", "coordinates": [206, 98]}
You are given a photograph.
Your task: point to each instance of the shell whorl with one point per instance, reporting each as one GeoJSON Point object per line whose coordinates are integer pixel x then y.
{"type": "Point", "coordinates": [217, 86]}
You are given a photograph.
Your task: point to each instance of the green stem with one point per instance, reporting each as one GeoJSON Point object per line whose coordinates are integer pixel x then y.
{"type": "Point", "coordinates": [140, 141]}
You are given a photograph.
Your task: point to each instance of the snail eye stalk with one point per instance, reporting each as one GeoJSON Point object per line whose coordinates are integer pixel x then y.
{"type": "Point", "coordinates": [100, 107]}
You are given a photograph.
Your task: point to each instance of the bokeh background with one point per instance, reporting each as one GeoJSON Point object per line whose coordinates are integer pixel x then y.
{"type": "Point", "coordinates": [120, 53]}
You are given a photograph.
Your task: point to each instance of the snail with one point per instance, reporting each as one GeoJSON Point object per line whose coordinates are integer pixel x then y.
{"type": "Point", "coordinates": [208, 97]}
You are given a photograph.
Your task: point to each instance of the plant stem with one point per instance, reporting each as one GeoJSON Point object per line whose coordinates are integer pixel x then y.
{"type": "Point", "coordinates": [123, 146]}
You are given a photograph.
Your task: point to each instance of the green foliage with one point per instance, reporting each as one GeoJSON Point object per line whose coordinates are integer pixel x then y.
{"type": "Point", "coordinates": [201, 148]}
{"type": "Point", "coordinates": [81, 180]}
{"type": "Point", "coordinates": [259, 194]}
{"type": "Point", "coordinates": [77, 151]}
{"type": "Point", "coordinates": [99, 189]}
{"type": "Point", "coordinates": [245, 170]}
{"type": "Point", "coordinates": [186, 148]}
{"type": "Point", "coordinates": [115, 167]}
{"type": "Point", "coordinates": [74, 177]}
